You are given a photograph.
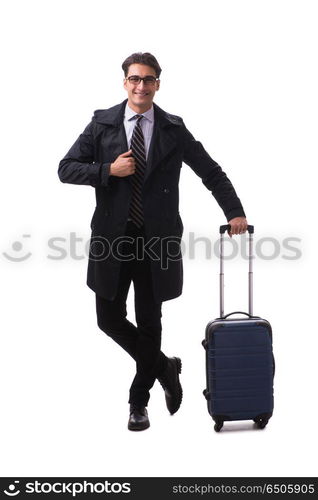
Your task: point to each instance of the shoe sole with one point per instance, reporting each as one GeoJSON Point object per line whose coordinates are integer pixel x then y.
{"type": "Point", "coordinates": [179, 364]}
{"type": "Point", "coordinates": [179, 368]}
{"type": "Point", "coordinates": [133, 428]}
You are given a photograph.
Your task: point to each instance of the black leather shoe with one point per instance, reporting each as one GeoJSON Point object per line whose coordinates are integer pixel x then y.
{"type": "Point", "coordinates": [138, 418]}
{"type": "Point", "coordinates": [171, 384]}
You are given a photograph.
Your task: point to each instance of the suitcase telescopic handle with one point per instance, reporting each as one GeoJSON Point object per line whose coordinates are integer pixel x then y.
{"type": "Point", "coordinates": [250, 230]}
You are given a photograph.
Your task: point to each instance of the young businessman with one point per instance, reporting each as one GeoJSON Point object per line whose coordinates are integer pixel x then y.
{"type": "Point", "coordinates": [132, 154]}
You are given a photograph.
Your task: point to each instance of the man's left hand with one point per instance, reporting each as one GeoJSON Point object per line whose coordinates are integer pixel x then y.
{"type": "Point", "coordinates": [238, 226]}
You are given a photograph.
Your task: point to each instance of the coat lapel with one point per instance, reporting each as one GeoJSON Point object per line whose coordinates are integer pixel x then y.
{"type": "Point", "coordinates": [113, 118]}
{"type": "Point", "coordinates": [163, 139]}
{"type": "Point", "coordinates": [118, 140]}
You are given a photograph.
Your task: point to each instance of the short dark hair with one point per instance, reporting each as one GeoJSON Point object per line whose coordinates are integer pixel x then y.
{"type": "Point", "coordinates": [142, 58]}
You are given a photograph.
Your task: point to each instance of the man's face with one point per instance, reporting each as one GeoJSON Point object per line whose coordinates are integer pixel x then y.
{"type": "Point", "coordinates": [140, 96]}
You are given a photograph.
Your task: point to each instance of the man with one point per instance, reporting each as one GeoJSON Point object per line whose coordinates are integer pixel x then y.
{"type": "Point", "coordinates": [132, 154]}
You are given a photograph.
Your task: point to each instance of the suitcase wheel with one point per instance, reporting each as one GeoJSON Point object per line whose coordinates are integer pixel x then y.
{"type": "Point", "coordinates": [218, 426]}
{"type": "Point", "coordinates": [261, 422]}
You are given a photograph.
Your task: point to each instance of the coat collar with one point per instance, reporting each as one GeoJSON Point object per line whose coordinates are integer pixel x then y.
{"type": "Point", "coordinates": [114, 116]}
{"type": "Point", "coordinates": [163, 137]}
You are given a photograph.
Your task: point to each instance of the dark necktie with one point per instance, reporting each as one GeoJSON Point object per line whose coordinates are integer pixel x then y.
{"type": "Point", "coordinates": [137, 146]}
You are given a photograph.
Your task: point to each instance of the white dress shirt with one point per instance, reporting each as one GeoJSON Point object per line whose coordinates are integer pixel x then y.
{"type": "Point", "coordinates": [146, 123]}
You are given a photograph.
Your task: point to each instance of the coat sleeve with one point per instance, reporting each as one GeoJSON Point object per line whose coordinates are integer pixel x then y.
{"type": "Point", "coordinates": [79, 167]}
{"type": "Point", "coordinates": [212, 176]}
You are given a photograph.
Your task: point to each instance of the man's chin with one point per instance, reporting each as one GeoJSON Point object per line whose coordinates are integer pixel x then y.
{"type": "Point", "coordinates": [143, 100]}
{"type": "Point", "coordinates": [144, 103]}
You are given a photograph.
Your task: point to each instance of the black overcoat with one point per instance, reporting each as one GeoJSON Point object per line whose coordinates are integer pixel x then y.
{"type": "Point", "coordinates": [88, 162]}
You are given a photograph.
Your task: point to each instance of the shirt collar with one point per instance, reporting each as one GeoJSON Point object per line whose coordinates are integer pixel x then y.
{"type": "Point", "coordinates": [129, 113]}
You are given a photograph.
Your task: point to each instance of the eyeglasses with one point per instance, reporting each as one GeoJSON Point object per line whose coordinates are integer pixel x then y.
{"type": "Point", "coordinates": [148, 80]}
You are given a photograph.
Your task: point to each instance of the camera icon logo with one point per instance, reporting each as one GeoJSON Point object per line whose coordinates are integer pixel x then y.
{"type": "Point", "coordinates": [12, 490]}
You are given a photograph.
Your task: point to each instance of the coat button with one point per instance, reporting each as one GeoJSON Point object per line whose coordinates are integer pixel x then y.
{"type": "Point", "coordinates": [166, 190]}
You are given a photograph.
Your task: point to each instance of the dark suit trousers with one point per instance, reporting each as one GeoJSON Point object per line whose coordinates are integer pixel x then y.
{"type": "Point", "coordinates": [143, 341]}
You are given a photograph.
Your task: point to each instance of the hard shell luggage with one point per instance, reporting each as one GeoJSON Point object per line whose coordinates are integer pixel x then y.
{"type": "Point", "coordinates": [239, 359]}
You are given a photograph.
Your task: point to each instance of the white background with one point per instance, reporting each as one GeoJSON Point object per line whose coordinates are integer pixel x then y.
{"type": "Point", "coordinates": [243, 75]}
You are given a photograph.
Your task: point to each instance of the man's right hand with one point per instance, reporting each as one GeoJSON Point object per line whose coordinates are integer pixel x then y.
{"type": "Point", "coordinates": [123, 165]}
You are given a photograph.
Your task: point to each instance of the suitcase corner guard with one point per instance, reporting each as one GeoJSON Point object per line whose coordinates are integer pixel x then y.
{"type": "Point", "coordinates": [206, 394]}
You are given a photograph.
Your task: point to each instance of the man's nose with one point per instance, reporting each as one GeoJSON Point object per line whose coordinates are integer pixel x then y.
{"type": "Point", "coordinates": [141, 84]}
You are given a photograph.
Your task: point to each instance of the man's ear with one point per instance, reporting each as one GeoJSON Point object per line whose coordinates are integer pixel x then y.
{"type": "Point", "coordinates": [158, 84]}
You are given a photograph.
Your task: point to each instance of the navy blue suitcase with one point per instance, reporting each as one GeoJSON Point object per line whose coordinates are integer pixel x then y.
{"type": "Point", "coordinates": [239, 360]}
